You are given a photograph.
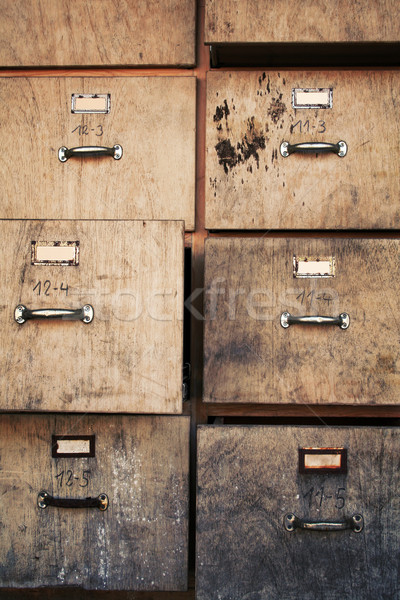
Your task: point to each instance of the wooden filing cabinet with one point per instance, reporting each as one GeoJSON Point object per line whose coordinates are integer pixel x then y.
{"type": "Point", "coordinates": [97, 33]}
{"type": "Point", "coordinates": [98, 148]}
{"type": "Point", "coordinates": [273, 523]}
{"type": "Point", "coordinates": [98, 502]}
{"type": "Point", "coordinates": [261, 32]}
{"type": "Point", "coordinates": [301, 321]}
{"type": "Point", "coordinates": [91, 318]}
{"type": "Point", "coordinates": [302, 150]}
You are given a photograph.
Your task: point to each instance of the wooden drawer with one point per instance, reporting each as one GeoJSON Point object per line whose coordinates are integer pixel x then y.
{"type": "Point", "coordinates": [129, 357]}
{"type": "Point", "coordinates": [151, 118]}
{"type": "Point", "coordinates": [250, 485]}
{"type": "Point", "coordinates": [250, 357]}
{"type": "Point", "coordinates": [97, 33]}
{"type": "Point", "coordinates": [265, 32]}
{"type": "Point", "coordinates": [138, 543]}
{"type": "Point", "coordinates": [251, 185]}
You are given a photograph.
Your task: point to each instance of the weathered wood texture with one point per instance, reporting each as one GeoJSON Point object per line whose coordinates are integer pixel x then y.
{"type": "Point", "coordinates": [257, 21]}
{"type": "Point", "coordinates": [249, 185]}
{"type": "Point", "coordinates": [138, 543]}
{"type": "Point", "coordinates": [153, 119]}
{"type": "Point", "coordinates": [250, 357]}
{"type": "Point", "coordinates": [97, 33]}
{"type": "Point", "coordinates": [129, 358]}
{"type": "Point", "coordinates": [248, 480]}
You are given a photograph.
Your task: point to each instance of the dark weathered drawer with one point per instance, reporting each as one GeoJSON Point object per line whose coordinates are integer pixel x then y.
{"type": "Point", "coordinates": [283, 32]}
{"type": "Point", "coordinates": [252, 184]}
{"type": "Point", "coordinates": [47, 33]}
{"type": "Point", "coordinates": [125, 353]}
{"type": "Point", "coordinates": [255, 497]}
{"type": "Point", "coordinates": [123, 464]}
{"type": "Point", "coordinates": [251, 283]}
{"type": "Point", "coordinates": [146, 123]}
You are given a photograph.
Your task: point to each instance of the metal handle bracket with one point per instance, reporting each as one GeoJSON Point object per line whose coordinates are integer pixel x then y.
{"type": "Point", "coordinates": [65, 153]}
{"type": "Point", "coordinates": [84, 314]}
{"type": "Point", "coordinates": [291, 522]}
{"type": "Point", "coordinates": [287, 149]}
{"type": "Point", "coordinates": [343, 320]}
{"type": "Point", "coordinates": [45, 499]}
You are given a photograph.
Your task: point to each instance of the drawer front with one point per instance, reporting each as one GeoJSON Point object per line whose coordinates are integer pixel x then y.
{"type": "Point", "coordinates": [255, 353]}
{"type": "Point", "coordinates": [128, 358]}
{"type": "Point", "coordinates": [260, 21]}
{"type": "Point", "coordinates": [152, 119]}
{"type": "Point", "coordinates": [251, 185]}
{"type": "Point", "coordinates": [92, 33]}
{"type": "Point", "coordinates": [138, 543]}
{"type": "Point", "coordinates": [250, 486]}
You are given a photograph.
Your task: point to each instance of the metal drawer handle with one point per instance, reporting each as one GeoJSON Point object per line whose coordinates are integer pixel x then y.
{"type": "Point", "coordinates": [65, 153]}
{"type": "Point", "coordinates": [85, 314]}
{"type": "Point", "coordinates": [313, 148]}
{"type": "Point", "coordinates": [44, 500]}
{"type": "Point", "coordinates": [343, 320]}
{"type": "Point", "coordinates": [291, 522]}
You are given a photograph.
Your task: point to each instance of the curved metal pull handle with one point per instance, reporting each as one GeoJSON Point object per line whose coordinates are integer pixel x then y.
{"type": "Point", "coordinates": [291, 522]}
{"type": "Point", "coordinates": [313, 148]}
{"type": "Point", "coordinates": [85, 314]}
{"type": "Point", "coordinates": [343, 320]}
{"type": "Point", "coordinates": [65, 153]}
{"type": "Point", "coordinates": [44, 500]}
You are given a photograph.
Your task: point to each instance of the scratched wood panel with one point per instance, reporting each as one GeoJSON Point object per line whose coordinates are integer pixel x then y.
{"type": "Point", "coordinates": [138, 543]}
{"type": "Point", "coordinates": [97, 33]}
{"type": "Point", "coordinates": [248, 480]}
{"type": "Point", "coordinates": [129, 358]}
{"type": "Point", "coordinates": [257, 21]}
{"type": "Point", "coordinates": [249, 185]}
{"type": "Point", "coordinates": [152, 118]}
{"type": "Point", "coordinates": [250, 358]}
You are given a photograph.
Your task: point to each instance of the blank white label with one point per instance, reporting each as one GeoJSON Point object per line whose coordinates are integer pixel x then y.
{"type": "Point", "coordinates": [55, 253]}
{"type": "Point", "coordinates": [313, 267]}
{"type": "Point", "coordinates": [322, 461]}
{"type": "Point", "coordinates": [73, 447]}
{"type": "Point", "coordinates": [312, 98]}
{"type": "Point", "coordinates": [91, 103]}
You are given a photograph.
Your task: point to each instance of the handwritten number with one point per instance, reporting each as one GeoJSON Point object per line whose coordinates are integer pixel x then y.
{"type": "Point", "coordinates": [340, 500]}
{"type": "Point", "coordinates": [60, 477]}
{"type": "Point", "coordinates": [39, 286]}
{"type": "Point", "coordinates": [64, 289]}
{"type": "Point", "coordinates": [322, 127]}
{"type": "Point", "coordinates": [85, 477]}
{"type": "Point", "coordinates": [46, 289]}
{"type": "Point", "coordinates": [84, 130]}
{"type": "Point", "coordinates": [70, 478]}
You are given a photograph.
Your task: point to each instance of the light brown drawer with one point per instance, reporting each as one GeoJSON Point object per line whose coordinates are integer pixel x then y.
{"type": "Point", "coordinates": [250, 184]}
{"type": "Point", "coordinates": [283, 32]}
{"type": "Point", "coordinates": [138, 543]}
{"type": "Point", "coordinates": [152, 119]}
{"type": "Point", "coordinates": [250, 484]}
{"type": "Point", "coordinates": [128, 358]}
{"type": "Point", "coordinates": [97, 33]}
{"type": "Point", "coordinates": [249, 356]}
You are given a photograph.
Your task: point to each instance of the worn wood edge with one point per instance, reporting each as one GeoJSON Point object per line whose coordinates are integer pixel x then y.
{"type": "Point", "coordinates": [291, 410]}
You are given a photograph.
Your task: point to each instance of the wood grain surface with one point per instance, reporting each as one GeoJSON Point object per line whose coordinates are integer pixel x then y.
{"type": "Point", "coordinates": [250, 357]}
{"type": "Point", "coordinates": [256, 21]}
{"type": "Point", "coordinates": [129, 358]}
{"type": "Point", "coordinates": [153, 119]}
{"type": "Point", "coordinates": [248, 480]}
{"type": "Point", "coordinates": [138, 543]}
{"type": "Point", "coordinates": [249, 185]}
{"type": "Point", "coordinates": [97, 33]}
